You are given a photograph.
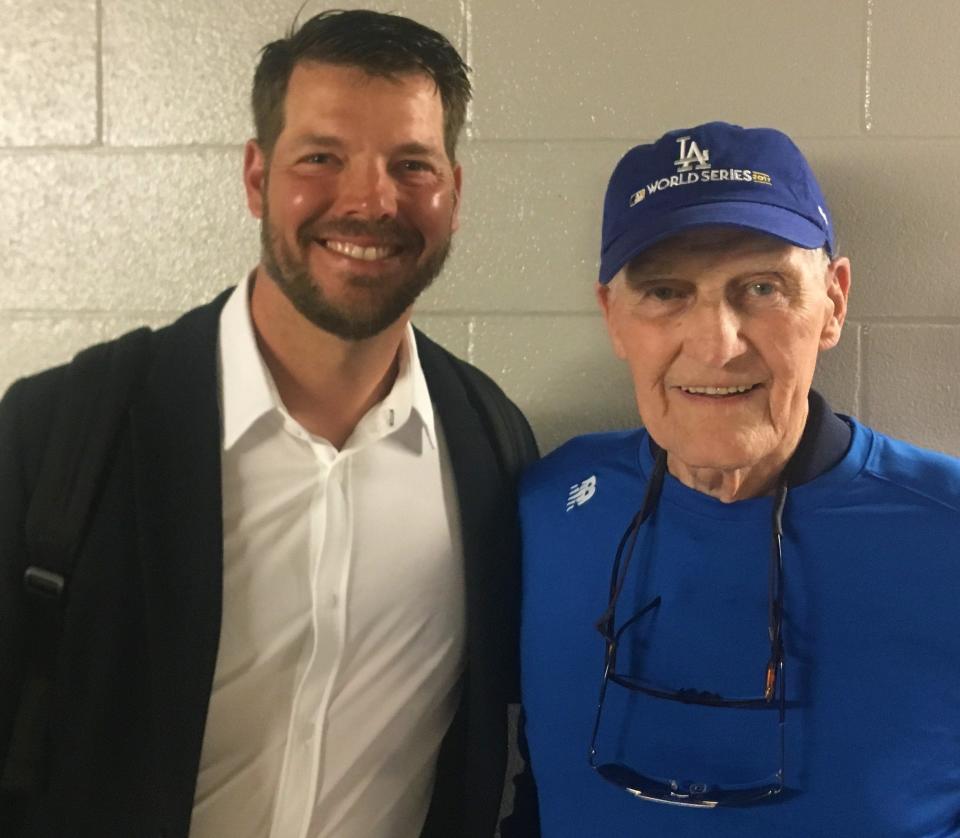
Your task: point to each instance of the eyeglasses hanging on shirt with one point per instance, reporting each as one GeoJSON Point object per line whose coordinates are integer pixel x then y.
{"type": "Point", "coordinates": [702, 792]}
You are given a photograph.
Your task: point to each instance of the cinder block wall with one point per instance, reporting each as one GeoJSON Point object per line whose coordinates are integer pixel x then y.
{"type": "Point", "coordinates": [122, 123]}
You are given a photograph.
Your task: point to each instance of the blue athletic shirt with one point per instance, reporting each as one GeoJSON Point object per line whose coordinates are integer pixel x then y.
{"type": "Point", "coordinates": [871, 556]}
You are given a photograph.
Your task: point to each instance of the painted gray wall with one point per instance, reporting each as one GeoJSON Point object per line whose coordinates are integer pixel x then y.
{"type": "Point", "coordinates": [122, 123]}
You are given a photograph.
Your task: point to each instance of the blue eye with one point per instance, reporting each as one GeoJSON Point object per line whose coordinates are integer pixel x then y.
{"type": "Point", "coordinates": [761, 289]}
{"type": "Point", "coordinates": [663, 293]}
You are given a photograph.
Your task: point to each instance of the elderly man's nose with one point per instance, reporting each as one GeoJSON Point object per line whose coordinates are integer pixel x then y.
{"type": "Point", "coordinates": [713, 335]}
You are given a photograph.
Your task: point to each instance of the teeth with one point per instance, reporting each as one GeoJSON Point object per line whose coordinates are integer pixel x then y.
{"type": "Point", "coordinates": [367, 254]}
{"type": "Point", "coordinates": [718, 391]}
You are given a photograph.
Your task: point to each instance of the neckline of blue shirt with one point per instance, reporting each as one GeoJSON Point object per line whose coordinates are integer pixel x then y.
{"type": "Point", "coordinates": [811, 489]}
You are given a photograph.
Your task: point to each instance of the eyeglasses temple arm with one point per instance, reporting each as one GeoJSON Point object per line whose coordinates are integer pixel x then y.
{"type": "Point", "coordinates": [618, 577]}
{"type": "Point", "coordinates": [775, 595]}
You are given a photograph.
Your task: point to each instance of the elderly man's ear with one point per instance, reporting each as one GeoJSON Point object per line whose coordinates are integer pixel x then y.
{"type": "Point", "coordinates": [838, 291]}
{"type": "Point", "coordinates": [603, 293]}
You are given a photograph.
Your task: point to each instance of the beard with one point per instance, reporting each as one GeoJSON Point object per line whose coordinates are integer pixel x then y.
{"type": "Point", "coordinates": [377, 301]}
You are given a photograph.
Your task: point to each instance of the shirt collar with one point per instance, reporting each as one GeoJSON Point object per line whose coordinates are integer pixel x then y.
{"type": "Point", "coordinates": [409, 398]}
{"type": "Point", "coordinates": [247, 390]}
{"type": "Point", "coordinates": [824, 443]}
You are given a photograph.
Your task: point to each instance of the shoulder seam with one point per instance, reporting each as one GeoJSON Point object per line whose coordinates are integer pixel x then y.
{"type": "Point", "coordinates": [911, 490]}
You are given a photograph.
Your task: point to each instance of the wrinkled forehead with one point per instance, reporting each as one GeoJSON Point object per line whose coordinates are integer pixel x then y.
{"type": "Point", "coordinates": [714, 243]}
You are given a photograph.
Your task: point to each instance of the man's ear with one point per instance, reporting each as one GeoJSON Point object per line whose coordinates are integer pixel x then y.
{"type": "Point", "coordinates": [457, 185]}
{"type": "Point", "coordinates": [606, 299]}
{"type": "Point", "coordinates": [254, 177]}
{"type": "Point", "coordinates": [838, 291]}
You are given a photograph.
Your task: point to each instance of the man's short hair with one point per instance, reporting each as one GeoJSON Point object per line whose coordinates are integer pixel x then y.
{"type": "Point", "coordinates": [380, 45]}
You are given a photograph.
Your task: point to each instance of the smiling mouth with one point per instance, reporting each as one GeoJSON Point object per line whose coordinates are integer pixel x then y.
{"type": "Point", "coordinates": [737, 390]}
{"type": "Point", "coordinates": [372, 253]}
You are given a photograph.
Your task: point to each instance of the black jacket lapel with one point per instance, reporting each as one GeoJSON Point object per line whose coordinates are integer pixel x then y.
{"type": "Point", "coordinates": [470, 768]}
{"type": "Point", "coordinates": [176, 440]}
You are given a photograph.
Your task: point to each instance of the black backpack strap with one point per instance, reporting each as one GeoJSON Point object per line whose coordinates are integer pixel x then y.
{"type": "Point", "coordinates": [97, 392]}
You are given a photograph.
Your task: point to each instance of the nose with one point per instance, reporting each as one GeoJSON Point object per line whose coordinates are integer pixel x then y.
{"type": "Point", "coordinates": [714, 334]}
{"type": "Point", "coordinates": [366, 190]}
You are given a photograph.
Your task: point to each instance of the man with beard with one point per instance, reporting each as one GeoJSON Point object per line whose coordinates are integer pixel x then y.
{"type": "Point", "coordinates": [292, 608]}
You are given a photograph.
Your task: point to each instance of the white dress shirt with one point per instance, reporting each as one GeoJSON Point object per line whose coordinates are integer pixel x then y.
{"type": "Point", "coordinates": [342, 636]}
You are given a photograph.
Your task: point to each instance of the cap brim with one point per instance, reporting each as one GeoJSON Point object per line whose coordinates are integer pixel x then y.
{"type": "Point", "coordinates": [763, 218]}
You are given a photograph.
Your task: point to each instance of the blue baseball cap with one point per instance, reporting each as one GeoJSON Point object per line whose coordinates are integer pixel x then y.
{"type": "Point", "coordinates": [715, 173]}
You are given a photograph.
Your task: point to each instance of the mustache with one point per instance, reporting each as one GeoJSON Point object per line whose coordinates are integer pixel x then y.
{"type": "Point", "coordinates": [386, 231]}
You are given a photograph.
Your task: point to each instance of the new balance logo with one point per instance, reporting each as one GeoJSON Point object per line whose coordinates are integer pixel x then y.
{"type": "Point", "coordinates": [580, 493]}
{"type": "Point", "coordinates": [690, 154]}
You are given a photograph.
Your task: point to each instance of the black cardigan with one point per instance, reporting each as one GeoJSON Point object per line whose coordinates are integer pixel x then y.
{"type": "Point", "coordinates": [142, 619]}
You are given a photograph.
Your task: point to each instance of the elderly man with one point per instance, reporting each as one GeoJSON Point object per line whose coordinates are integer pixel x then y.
{"type": "Point", "coordinates": [775, 586]}
{"type": "Point", "coordinates": [289, 606]}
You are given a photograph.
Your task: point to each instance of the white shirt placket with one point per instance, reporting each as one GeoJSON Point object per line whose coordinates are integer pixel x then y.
{"type": "Point", "coordinates": [330, 551]}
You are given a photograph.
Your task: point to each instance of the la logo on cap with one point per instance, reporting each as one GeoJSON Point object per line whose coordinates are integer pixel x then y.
{"type": "Point", "coordinates": [691, 155]}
